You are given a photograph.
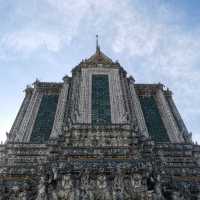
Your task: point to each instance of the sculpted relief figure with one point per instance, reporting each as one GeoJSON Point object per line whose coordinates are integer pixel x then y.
{"type": "Point", "coordinates": [198, 196]}
{"type": "Point", "coordinates": [22, 195]}
{"type": "Point", "coordinates": [2, 192]}
{"type": "Point", "coordinates": [55, 172]}
{"type": "Point", "coordinates": [132, 187]}
{"type": "Point", "coordinates": [53, 183]}
{"type": "Point", "coordinates": [102, 191]}
{"type": "Point", "coordinates": [157, 194]}
{"type": "Point", "coordinates": [118, 187]}
{"type": "Point", "coordinates": [175, 195]}
{"type": "Point", "coordinates": [136, 180]}
{"type": "Point", "coordinates": [87, 187]}
{"type": "Point", "coordinates": [13, 194]}
{"type": "Point", "coordinates": [66, 192]}
{"type": "Point", "coordinates": [42, 190]}
{"type": "Point", "coordinates": [136, 183]}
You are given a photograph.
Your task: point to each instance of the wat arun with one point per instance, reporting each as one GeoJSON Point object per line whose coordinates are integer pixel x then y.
{"type": "Point", "coordinates": [99, 135]}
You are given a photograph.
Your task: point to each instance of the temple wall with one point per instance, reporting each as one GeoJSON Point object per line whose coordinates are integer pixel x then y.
{"type": "Point", "coordinates": [142, 154]}
{"type": "Point", "coordinates": [168, 119]}
{"type": "Point", "coordinates": [20, 116]}
{"type": "Point", "coordinates": [138, 111]}
{"type": "Point", "coordinates": [28, 118]}
{"type": "Point", "coordinates": [118, 114]}
{"type": "Point", "coordinates": [60, 112]}
{"type": "Point", "coordinates": [180, 123]}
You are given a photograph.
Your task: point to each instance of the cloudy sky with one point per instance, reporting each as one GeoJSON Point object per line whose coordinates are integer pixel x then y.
{"type": "Point", "coordinates": [154, 40]}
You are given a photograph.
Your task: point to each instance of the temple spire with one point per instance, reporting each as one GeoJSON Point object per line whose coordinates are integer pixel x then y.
{"type": "Point", "coordinates": [99, 56]}
{"type": "Point", "coordinates": [97, 44]}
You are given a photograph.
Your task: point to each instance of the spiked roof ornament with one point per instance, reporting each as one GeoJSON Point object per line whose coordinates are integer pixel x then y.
{"type": "Point", "coordinates": [97, 44]}
{"type": "Point", "coordinates": [99, 56]}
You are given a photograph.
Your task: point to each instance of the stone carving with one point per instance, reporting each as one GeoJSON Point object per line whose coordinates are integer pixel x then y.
{"type": "Point", "coordinates": [52, 193]}
{"type": "Point", "coordinates": [42, 195]}
{"type": "Point", "coordinates": [102, 190]}
{"type": "Point", "coordinates": [87, 187]}
{"type": "Point", "coordinates": [136, 181]}
{"type": "Point", "coordinates": [2, 192]}
{"type": "Point", "coordinates": [157, 194]}
{"type": "Point", "coordinates": [55, 172]}
{"type": "Point", "coordinates": [141, 125]}
{"type": "Point", "coordinates": [8, 136]}
{"type": "Point", "coordinates": [22, 195]}
{"type": "Point", "coordinates": [66, 192]}
{"type": "Point", "coordinates": [198, 196]}
{"type": "Point", "coordinates": [133, 187]}
{"type": "Point", "coordinates": [16, 193]}
{"type": "Point", "coordinates": [198, 161]}
{"type": "Point", "coordinates": [75, 144]}
{"type": "Point", "coordinates": [176, 195]}
{"type": "Point", "coordinates": [52, 183]}
{"type": "Point", "coordinates": [118, 186]}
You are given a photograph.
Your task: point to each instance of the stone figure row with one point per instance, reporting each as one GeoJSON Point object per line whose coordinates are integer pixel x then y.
{"type": "Point", "coordinates": [88, 188]}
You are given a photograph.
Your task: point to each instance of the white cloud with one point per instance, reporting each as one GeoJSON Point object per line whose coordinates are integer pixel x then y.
{"type": "Point", "coordinates": [167, 53]}
{"type": "Point", "coordinates": [23, 41]}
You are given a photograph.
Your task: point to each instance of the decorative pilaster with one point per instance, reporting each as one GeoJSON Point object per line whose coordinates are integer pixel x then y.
{"type": "Point", "coordinates": [74, 106]}
{"type": "Point", "coordinates": [118, 114]}
{"type": "Point", "coordinates": [84, 104]}
{"type": "Point", "coordinates": [59, 117]}
{"type": "Point", "coordinates": [177, 116]}
{"type": "Point", "coordinates": [116, 98]}
{"type": "Point", "coordinates": [125, 94]}
{"type": "Point", "coordinates": [28, 119]}
{"type": "Point", "coordinates": [167, 117]}
{"type": "Point", "coordinates": [16, 126]}
{"type": "Point", "coordinates": [138, 110]}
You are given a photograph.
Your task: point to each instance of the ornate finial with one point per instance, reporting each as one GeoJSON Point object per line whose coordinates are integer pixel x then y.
{"type": "Point", "coordinates": [97, 43]}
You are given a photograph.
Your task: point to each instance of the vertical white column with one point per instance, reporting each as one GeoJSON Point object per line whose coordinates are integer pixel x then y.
{"type": "Point", "coordinates": [113, 100]}
{"type": "Point", "coordinates": [27, 116]}
{"type": "Point", "coordinates": [60, 111]}
{"type": "Point", "coordinates": [168, 119]}
{"type": "Point", "coordinates": [138, 110]}
{"type": "Point", "coordinates": [33, 117]}
{"type": "Point", "coordinates": [117, 104]}
{"type": "Point", "coordinates": [179, 119]}
{"type": "Point", "coordinates": [88, 112]}
{"type": "Point", "coordinates": [84, 98]}
{"type": "Point", "coordinates": [73, 101]}
{"type": "Point", "coordinates": [118, 114]}
{"type": "Point", "coordinates": [16, 126]}
{"type": "Point", "coordinates": [27, 121]}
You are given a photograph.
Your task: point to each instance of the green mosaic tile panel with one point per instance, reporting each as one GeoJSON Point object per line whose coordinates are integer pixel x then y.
{"type": "Point", "coordinates": [153, 119]}
{"type": "Point", "coordinates": [101, 114]}
{"type": "Point", "coordinates": [44, 120]}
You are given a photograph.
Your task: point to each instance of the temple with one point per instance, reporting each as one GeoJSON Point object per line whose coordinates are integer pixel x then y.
{"type": "Point", "coordinates": [99, 135]}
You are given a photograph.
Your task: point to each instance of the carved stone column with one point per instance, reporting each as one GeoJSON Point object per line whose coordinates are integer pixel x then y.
{"type": "Point", "coordinates": [116, 98]}
{"type": "Point", "coordinates": [178, 117]}
{"type": "Point", "coordinates": [16, 126]}
{"type": "Point", "coordinates": [138, 110]}
{"type": "Point", "coordinates": [83, 98]}
{"type": "Point", "coordinates": [59, 117]}
{"type": "Point", "coordinates": [117, 108]}
{"type": "Point", "coordinates": [125, 94]}
{"type": "Point", "coordinates": [73, 109]}
{"type": "Point", "coordinates": [167, 117]}
{"type": "Point", "coordinates": [28, 120]}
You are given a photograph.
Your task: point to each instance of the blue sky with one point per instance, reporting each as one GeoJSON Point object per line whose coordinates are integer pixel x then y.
{"type": "Point", "coordinates": [154, 40]}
